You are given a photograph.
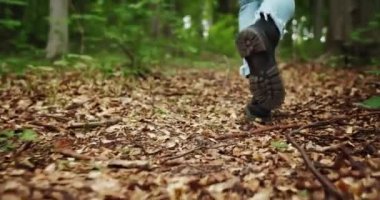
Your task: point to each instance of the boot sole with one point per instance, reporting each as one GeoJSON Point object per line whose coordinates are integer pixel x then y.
{"type": "Point", "coordinates": [251, 117]}
{"type": "Point", "coordinates": [250, 41]}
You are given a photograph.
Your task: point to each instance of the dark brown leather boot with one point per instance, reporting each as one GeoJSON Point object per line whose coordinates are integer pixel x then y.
{"type": "Point", "coordinates": [257, 45]}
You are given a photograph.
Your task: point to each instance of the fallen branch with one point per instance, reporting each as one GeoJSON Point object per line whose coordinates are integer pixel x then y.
{"type": "Point", "coordinates": [145, 152]}
{"type": "Point", "coordinates": [94, 124]}
{"type": "Point", "coordinates": [73, 154]}
{"type": "Point", "coordinates": [257, 131]}
{"type": "Point", "coordinates": [48, 127]}
{"type": "Point", "coordinates": [331, 191]}
{"type": "Point", "coordinates": [289, 126]}
{"type": "Point", "coordinates": [179, 93]}
{"type": "Point", "coordinates": [193, 150]}
{"type": "Point", "coordinates": [57, 117]}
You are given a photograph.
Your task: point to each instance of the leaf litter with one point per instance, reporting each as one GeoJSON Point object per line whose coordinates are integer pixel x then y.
{"type": "Point", "coordinates": [183, 136]}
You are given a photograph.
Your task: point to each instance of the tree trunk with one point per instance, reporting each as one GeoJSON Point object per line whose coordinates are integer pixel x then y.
{"type": "Point", "coordinates": [155, 22]}
{"type": "Point", "coordinates": [226, 6]}
{"type": "Point", "coordinates": [58, 40]}
{"type": "Point", "coordinates": [347, 17]}
{"type": "Point", "coordinates": [318, 18]}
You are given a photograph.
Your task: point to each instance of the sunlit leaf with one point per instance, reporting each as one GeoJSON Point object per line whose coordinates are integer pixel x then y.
{"type": "Point", "coordinates": [9, 23]}
{"type": "Point", "coordinates": [28, 135]}
{"type": "Point", "coordinates": [14, 2]}
{"type": "Point", "coordinates": [279, 144]}
{"type": "Point", "coordinates": [371, 103]}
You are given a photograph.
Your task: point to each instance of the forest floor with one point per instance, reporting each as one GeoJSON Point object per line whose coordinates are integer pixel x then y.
{"type": "Point", "coordinates": [182, 135]}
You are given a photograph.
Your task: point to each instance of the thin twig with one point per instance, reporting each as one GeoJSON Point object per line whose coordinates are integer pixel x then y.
{"type": "Point", "coordinates": [145, 152]}
{"type": "Point", "coordinates": [355, 164]}
{"type": "Point", "coordinates": [257, 131]}
{"type": "Point", "coordinates": [56, 117]}
{"type": "Point", "coordinates": [94, 124]}
{"type": "Point", "coordinates": [307, 110]}
{"type": "Point", "coordinates": [289, 126]}
{"type": "Point", "coordinates": [328, 186]}
{"type": "Point", "coordinates": [178, 93]}
{"type": "Point", "coordinates": [48, 127]}
{"type": "Point", "coordinates": [193, 150]}
{"type": "Point", "coordinates": [130, 164]}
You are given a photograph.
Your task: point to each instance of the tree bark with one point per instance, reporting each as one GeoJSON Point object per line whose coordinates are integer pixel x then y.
{"type": "Point", "coordinates": [318, 18]}
{"type": "Point", "coordinates": [155, 22]}
{"type": "Point", "coordinates": [340, 23]}
{"type": "Point", "coordinates": [347, 16]}
{"type": "Point", "coordinates": [226, 6]}
{"type": "Point", "coordinates": [58, 40]}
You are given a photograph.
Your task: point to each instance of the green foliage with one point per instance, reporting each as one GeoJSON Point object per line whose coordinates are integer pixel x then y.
{"type": "Point", "coordinates": [374, 72]}
{"type": "Point", "coordinates": [17, 63]}
{"type": "Point", "coordinates": [222, 35]}
{"type": "Point", "coordinates": [28, 135]}
{"type": "Point", "coordinates": [11, 139]}
{"type": "Point", "coordinates": [109, 64]}
{"type": "Point", "coordinates": [360, 35]}
{"type": "Point", "coordinates": [10, 23]}
{"type": "Point", "coordinates": [144, 33]}
{"type": "Point", "coordinates": [13, 2]}
{"type": "Point", "coordinates": [371, 103]}
{"type": "Point", "coordinates": [302, 51]}
{"type": "Point", "coordinates": [23, 25]}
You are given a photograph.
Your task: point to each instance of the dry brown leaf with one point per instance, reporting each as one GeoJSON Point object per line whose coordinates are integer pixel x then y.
{"type": "Point", "coordinates": [128, 164]}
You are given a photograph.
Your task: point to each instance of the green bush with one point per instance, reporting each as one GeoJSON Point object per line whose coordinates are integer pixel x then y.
{"type": "Point", "coordinates": [222, 36]}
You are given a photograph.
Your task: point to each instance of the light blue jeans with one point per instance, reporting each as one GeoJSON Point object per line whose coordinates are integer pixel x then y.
{"type": "Point", "coordinates": [281, 12]}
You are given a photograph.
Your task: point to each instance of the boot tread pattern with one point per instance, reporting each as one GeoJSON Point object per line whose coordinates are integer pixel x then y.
{"type": "Point", "coordinates": [268, 89]}
{"type": "Point", "coordinates": [250, 41]}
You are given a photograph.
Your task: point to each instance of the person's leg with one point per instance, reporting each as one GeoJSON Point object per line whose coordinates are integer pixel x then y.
{"type": "Point", "coordinates": [256, 44]}
{"type": "Point", "coordinates": [280, 10]}
{"type": "Point", "coordinates": [248, 12]}
{"type": "Point", "coordinates": [247, 15]}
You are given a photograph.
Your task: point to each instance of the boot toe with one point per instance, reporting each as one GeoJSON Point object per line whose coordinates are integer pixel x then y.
{"type": "Point", "coordinates": [254, 112]}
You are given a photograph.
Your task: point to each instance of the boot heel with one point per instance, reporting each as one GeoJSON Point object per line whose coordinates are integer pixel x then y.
{"type": "Point", "coordinates": [250, 41]}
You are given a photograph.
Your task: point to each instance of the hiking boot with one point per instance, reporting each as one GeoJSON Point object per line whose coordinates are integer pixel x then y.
{"type": "Point", "coordinates": [254, 112]}
{"type": "Point", "coordinates": [257, 44]}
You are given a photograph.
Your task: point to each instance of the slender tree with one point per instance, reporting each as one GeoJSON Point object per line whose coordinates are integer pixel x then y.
{"type": "Point", "coordinates": [58, 40]}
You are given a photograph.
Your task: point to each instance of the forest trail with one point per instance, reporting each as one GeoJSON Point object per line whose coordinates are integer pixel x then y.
{"type": "Point", "coordinates": [162, 137]}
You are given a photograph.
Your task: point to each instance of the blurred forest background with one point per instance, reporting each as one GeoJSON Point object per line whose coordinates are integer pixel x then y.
{"type": "Point", "coordinates": [141, 33]}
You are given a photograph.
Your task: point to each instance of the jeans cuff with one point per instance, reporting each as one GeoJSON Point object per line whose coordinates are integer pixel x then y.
{"type": "Point", "coordinates": [244, 2]}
